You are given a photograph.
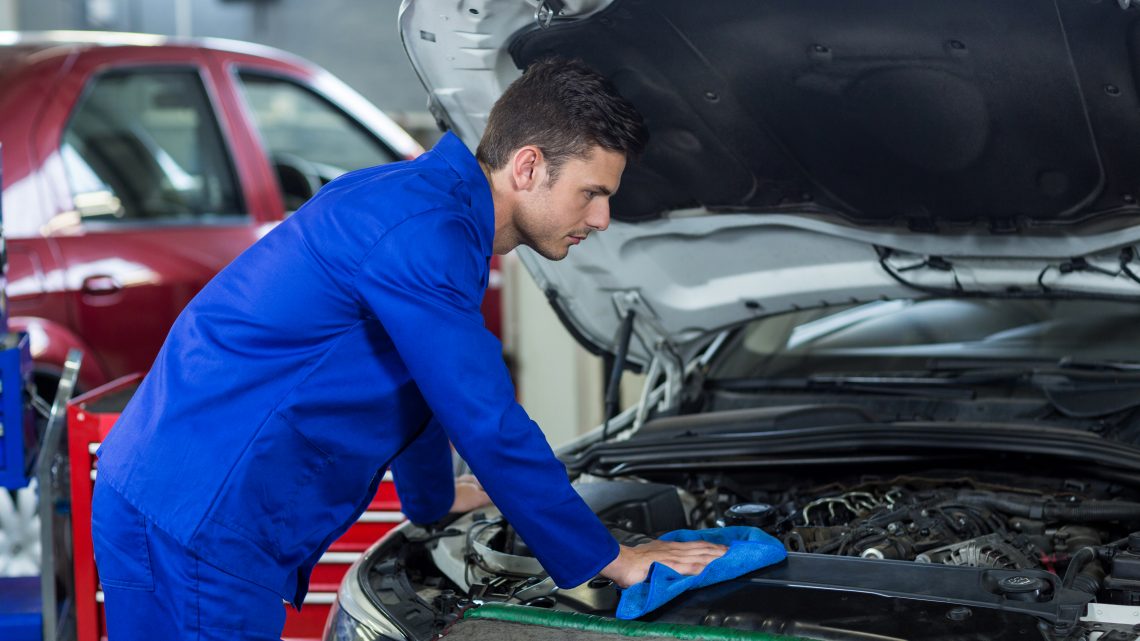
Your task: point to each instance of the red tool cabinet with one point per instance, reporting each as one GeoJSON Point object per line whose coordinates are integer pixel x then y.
{"type": "Point", "coordinates": [89, 419]}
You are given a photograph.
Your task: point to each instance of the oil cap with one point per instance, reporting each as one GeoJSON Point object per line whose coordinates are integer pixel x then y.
{"type": "Point", "coordinates": [1023, 588]}
{"type": "Point", "coordinates": [760, 515]}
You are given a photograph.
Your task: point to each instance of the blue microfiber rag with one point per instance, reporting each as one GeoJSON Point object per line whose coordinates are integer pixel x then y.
{"type": "Point", "coordinates": [749, 549]}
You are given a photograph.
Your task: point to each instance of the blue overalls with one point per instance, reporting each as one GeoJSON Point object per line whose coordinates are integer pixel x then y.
{"type": "Point", "coordinates": [347, 341]}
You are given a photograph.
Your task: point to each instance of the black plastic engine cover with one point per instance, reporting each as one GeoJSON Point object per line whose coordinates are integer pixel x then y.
{"type": "Point", "coordinates": [850, 598]}
{"type": "Point", "coordinates": [646, 508]}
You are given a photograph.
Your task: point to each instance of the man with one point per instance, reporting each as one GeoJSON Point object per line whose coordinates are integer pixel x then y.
{"type": "Point", "coordinates": [348, 341]}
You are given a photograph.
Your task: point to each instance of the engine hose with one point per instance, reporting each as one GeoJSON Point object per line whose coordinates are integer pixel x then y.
{"type": "Point", "coordinates": [1076, 564]}
{"type": "Point", "coordinates": [1094, 511]}
{"type": "Point", "coordinates": [1085, 512]}
{"type": "Point", "coordinates": [589, 623]}
{"type": "Point", "coordinates": [1090, 579]}
{"type": "Point", "coordinates": [830, 547]}
{"type": "Point", "coordinates": [795, 542]}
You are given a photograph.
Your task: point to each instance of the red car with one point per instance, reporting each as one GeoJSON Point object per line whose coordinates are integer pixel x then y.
{"type": "Point", "coordinates": [135, 167]}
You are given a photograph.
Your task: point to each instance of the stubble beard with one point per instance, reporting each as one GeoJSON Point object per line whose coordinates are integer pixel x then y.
{"type": "Point", "coordinates": [534, 236]}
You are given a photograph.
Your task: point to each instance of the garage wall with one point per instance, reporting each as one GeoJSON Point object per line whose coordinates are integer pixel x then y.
{"type": "Point", "coordinates": [560, 383]}
{"type": "Point", "coordinates": [7, 14]}
{"type": "Point", "coordinates": [49, 14]}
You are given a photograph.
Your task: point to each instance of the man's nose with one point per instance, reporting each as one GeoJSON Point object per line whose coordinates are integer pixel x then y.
{"type": "Point", "coordinates": [599, 218]}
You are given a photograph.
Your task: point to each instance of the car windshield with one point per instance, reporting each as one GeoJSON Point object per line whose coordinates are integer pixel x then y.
{"type": "Point", "coordinates": [908, 336]}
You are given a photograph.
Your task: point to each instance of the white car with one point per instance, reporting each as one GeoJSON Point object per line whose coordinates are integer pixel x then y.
{"type": "Point", "coordinates": [879, 264]}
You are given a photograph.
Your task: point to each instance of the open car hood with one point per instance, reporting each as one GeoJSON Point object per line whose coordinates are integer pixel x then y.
{"type": "Point", "coordinates": [806, 154]}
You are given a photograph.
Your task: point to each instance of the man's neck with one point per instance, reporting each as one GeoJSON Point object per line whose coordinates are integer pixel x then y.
{"type": "Point", "coordinates": [506, 234]}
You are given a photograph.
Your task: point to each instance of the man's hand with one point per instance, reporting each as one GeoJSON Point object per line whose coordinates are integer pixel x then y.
{"type": "Point", "coordinates": [469, 495]}
{"type": "Point", "coordinates": [632, 563]}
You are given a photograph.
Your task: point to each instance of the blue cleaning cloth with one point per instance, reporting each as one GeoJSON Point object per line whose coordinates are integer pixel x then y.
{"type": "Point", "coordinates": [749, 549]}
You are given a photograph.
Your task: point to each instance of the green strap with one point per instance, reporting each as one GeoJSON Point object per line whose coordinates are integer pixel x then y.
{"type": "Point", "coordinates": [590, 623]}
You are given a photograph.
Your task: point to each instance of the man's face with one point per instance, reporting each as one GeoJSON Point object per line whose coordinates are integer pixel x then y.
{"type": "Point", "coordinates": [556, 216]}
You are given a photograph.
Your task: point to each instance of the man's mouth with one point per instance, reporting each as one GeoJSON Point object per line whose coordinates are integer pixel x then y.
{"type": "Point", "coordinates": [576, 239]}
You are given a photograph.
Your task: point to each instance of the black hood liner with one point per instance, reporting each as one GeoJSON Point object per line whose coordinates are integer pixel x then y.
{"type": "Point", "coordinates": [932, 114]}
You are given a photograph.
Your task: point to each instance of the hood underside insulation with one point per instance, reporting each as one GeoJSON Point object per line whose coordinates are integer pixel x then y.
{"type": "Point", "coordinates": [1013, 114]}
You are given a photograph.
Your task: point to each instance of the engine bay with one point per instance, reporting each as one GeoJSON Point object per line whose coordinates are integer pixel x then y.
{"type": "Point", "coordinates": [1017, 553]}
{"type": "Point", "coordinates": [951, 521]}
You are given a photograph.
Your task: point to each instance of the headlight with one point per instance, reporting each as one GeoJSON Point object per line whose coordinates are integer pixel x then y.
{"type": "Point", "coordinates": [354, 618]}
{"type": "Point", "coordinates": [342, 626]}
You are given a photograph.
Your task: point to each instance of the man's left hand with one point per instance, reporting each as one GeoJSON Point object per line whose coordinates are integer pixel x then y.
{"type": "Point", "coordinates": [469, 494]}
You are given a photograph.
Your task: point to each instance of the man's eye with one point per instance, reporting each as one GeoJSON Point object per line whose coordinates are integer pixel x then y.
{"type": "Point", "coordinates": [590, 194]}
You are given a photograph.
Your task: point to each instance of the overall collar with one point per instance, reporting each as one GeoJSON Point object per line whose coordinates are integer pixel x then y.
{"type": "Point", "coordinates": [463, 162]}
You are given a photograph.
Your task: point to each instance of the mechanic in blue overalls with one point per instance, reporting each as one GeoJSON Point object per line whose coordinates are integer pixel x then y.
{"type": "Point", "coordinates": [349, 341]}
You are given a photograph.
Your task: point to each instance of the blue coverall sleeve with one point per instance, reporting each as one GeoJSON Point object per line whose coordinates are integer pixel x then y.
{"type": "Point", "coordinates": [425, 477]}
{"type": "Point", "coordinates": [423, 280]}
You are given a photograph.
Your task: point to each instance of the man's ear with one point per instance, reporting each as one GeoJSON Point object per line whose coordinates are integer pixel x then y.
{"type": "Point", "coordinates": [528, 168]}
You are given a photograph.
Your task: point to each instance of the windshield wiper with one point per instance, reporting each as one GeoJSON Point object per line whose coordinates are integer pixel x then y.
{"type": "Point", "coordinates": [1116, 366]}
{"type": "Point", "coordinates": [1077, 389]}
{"type": "Point", "coordinates": [1067, 364]}
{"type": "Point", "coordinates": [938, 387]}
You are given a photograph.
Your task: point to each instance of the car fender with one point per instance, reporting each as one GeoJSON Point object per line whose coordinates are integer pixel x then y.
{"type": "Point", "coordinates": [49, 342]}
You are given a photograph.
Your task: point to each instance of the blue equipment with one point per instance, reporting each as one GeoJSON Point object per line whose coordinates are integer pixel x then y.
{"type": "Point", "coordinates": [21, 598]}
{"type": "Point", "coordinates": [18, 438]}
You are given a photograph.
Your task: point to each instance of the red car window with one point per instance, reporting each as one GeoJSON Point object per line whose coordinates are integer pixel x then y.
{"type": "Point", "coordinates": [144, 145]}
{"type": "Point", "coordinates": [308, 139]}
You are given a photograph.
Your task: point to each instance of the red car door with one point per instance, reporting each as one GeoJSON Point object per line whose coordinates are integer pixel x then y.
{"type": "Point", "coordinates": [158, 194]}
{"type": "Point", "coordinates": [35, 303]}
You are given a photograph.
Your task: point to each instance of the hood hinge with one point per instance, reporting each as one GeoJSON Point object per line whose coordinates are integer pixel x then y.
{"type": "Point", "coordinates": [546, 10]}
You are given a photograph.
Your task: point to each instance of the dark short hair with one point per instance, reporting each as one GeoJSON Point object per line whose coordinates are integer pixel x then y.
{"type": "Point", "coordinates": [564, 108]}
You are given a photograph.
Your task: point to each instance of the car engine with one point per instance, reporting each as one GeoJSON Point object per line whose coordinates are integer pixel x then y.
{"type": "Point", "coordinates": [924, 520]}
{"type": "Point", "coordinates": [906, 518]}
{"type": "Point", "coordinates": [1054, 545]}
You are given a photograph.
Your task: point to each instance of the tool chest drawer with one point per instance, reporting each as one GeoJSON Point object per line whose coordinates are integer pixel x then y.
{"type": "Point", "coordinates": [90, 418]}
